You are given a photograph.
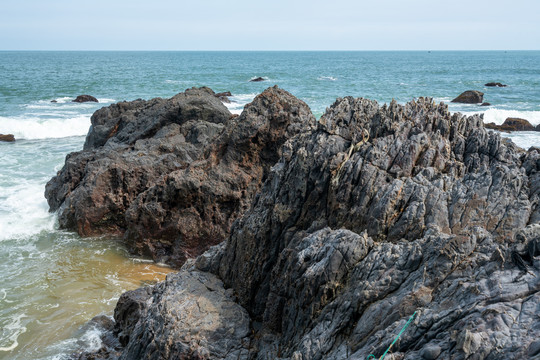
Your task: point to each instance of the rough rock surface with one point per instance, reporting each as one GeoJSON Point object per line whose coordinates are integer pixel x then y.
{"type": "Point", "coordinates": [85, 98]}
{"type": "Point", "coordinates": [495, 84]}
{"type": "Point", "coordinates": [470, 97]}
{"type": "Point", "coordinates": [513, 124]}
{"type": "Point", "coordinates": [7, 137]}
{"type": "Point", "coordinates": [379, 212]}
{"type": "Point", "coordinates": [171, 175]}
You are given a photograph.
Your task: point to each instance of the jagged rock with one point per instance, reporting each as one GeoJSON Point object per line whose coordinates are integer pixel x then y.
{"type": "Point", "coordinates": [257, 79]}
{"type": "Point", "coordinates": [7, 137]}
{"type": "Point", "coordinates": [495, 84]}
{"type": "Point", "coordinates": [512, 124]}
{"type": "Point", "coordinates": [377, 213]}
{"type": "Point", "coordinates": [171, 175]}
{"type": "Point", "coordinates": [85, 98]}
{"type": "Point", "coordinates": [470, 97]}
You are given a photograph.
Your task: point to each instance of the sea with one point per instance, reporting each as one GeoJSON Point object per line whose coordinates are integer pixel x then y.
{"type": "Point", "coordinates": [52, 281]}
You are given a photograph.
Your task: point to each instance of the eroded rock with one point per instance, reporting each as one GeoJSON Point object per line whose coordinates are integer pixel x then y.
{"type": "Point", "coordinates": [377, 213]}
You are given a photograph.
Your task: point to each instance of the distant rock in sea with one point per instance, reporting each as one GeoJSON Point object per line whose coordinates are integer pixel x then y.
{"type": "Point", "coordinates": [513, 124]}
{"type": "Point", "coordinates": [54, 101]}
{"type": "Point", "coordinates": [354, 224]}
{"type": "Point", "coordinates": [257, 79]}
{"type": "Point", "coordinates": [495, 84]}
{"type": "Point", "coordinates": [470, 97]}
{"type": "Point", "coordinates": [85, 98]}
{"type": "Point", "coordinates": [7, 137]}
{"type": "Point", "coordinates": [485, 104]}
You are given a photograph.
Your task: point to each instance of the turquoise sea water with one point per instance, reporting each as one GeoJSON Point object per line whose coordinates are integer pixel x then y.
{"type": "Point", "coordinates": [52, 281]}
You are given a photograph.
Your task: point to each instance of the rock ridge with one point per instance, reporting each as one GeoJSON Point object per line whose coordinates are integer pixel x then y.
{"type": "Point", "coordinates": [365, 217]}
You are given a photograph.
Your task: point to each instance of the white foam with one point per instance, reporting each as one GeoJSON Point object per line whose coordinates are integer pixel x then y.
{"type": "Point", "coordinates": [17, 328]}
{"type": "Point", "coordinates": [24, 211]}
{"type": "Point", "coordinates": [39, 128]}
{"type": "Point", "coordinates": [326, 78]}
{"type": "Point", "coordinates": [238, 101]}
{"type": "Point", "coordinates": [498, 116]}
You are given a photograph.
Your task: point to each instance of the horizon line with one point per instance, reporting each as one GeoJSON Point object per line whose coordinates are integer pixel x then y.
{"type": "Point", "coordinates": [267, 50]}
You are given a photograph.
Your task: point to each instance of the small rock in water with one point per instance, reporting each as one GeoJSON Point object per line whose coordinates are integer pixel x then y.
{"type": "Point", "coordinates": [7, 137]}
{"type": "Point", "coordinates": [486, 104]}
{"type": "Point", "coordinates": [85, 98]}
{"type": "Point", "coordinates": [513, 124]}
{"type": "Point", "coordinates": [224, 96]}
{"type": "Point", "coordinates": [54, 101]}
{"type": "Point", "coordinates": [470, 97]}
{"type": "Point", "coordinates": [495, 84]}
{"type": "Point", "coordinates": [257, 79]}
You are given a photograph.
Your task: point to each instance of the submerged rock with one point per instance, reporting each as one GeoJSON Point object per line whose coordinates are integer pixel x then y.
{"type": "Point", "coordinates": [512, 124]}
{"type": "Point", "coordinates": [85, 98]}
{"type": "Point", "coordinates": [495, 84]}
{"type": "Point", "coordinates": [257, 79]}
{"type": "Point", "coordinates": [374, 214]}
{"type": "Point", "coordinates": [470, 97]}
{"type": "Point", "coordinates": [172, 175]}
{"type": "Point", "coordinates": [7, 137]}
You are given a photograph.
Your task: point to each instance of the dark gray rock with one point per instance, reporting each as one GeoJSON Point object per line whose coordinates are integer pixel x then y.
{"type": "Point", "coordinates": [378, 213]}
{"type": "Point", "coordinates": [85, 98]}
{"type": "Point", "coordinates": [470, 97]}
{"type": "Point", "coordinates": [257, 79]}
{"type": "Point", "coordinates": [495, 84]}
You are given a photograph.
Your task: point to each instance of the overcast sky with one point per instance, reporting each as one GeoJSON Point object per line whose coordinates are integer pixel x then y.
{"type": "Point", "coordinates": [269, 25]}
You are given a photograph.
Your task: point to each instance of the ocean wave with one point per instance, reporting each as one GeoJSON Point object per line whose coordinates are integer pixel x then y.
{"type": "Point", "coordinates": [31, 128]}
{"type": "Point", "coordinates": [24, 211]}
{"type": "Point", "coordinates": [14, 329]}
{"type": "Point", "coordinates": [326, 78]}
{"type": "Point", "coordinates": [67, 102]}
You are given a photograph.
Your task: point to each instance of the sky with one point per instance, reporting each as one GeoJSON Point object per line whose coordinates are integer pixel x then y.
{"type": "Point", "coordinates": [269, 25]}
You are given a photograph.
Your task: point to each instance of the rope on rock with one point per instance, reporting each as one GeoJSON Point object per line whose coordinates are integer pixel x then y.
{"type": "Point", "coordinates": [393, 342]}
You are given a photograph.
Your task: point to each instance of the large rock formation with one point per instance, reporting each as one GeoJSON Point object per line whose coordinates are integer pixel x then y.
{"type": "Point", "coordinates": [378, 213]}
{"type": "Point", "coordinates": [171, 175]}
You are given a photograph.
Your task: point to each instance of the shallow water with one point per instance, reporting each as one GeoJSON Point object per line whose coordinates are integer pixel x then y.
{"type": "Point", "coordinates": [52, 281]}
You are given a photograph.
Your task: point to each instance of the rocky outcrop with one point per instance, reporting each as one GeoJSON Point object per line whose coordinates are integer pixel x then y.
{"type": "Point", "coordinates": [377, 213]}
{"type": "Point", "coordinates": [495, 84]}
{"type": "Point", "coordinates": [172, 175]}
{"type": "Point", "coordinates": [513, 124]}
{"type": "Point", "coordinates": [7, 137]}
{"type": "Point", "coordinates": [470, 97]}
{"type": "Point", "coordinates": [85, 98]}
{"type": "Point", "coordinates": [257, 79]}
